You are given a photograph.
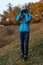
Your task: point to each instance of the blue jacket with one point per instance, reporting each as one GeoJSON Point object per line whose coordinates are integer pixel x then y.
{"type": "Point", "coordinates": [25, 25]}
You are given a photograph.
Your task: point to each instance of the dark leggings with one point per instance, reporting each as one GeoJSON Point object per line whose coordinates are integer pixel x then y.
{"type": "Point", "coordinates": [24, 38]}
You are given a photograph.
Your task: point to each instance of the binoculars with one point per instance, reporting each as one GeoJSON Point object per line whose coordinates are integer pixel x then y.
{"type": "Point", "coordinates": [24, 11]}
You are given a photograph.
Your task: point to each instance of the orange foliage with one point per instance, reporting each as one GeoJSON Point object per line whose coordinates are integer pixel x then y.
{"type": "Point", "coordinates": [36, 11]}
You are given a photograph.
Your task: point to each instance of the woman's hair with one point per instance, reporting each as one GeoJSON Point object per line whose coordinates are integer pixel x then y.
{"type": "Point", "coordinates": [25, 10]}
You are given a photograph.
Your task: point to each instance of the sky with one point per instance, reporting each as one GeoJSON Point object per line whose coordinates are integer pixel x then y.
{"type": "Point", "coordinates": [4, 3]}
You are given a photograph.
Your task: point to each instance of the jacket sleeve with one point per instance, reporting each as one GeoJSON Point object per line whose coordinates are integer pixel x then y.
{"type": "Point", "coordinates": [18, 17]}
{"type": "Point", "coordinates": [28, 18]}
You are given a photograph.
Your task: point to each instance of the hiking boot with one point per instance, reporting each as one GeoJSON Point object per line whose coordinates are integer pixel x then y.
{"type": "Point", "coordinates": [25, 58]}
{"type": "Point", "coordinates": [22, 57]}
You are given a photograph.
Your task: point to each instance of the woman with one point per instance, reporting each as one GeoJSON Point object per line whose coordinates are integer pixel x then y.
{"type": "Point", "coordinates": [24, 31]}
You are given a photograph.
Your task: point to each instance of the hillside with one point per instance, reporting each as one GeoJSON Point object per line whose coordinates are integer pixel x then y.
{"type": "Point", "coordinates": [10, 45]}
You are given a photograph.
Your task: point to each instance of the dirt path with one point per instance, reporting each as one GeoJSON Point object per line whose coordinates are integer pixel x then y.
{"type": "Point", "coordinates": [36, 27]}
{"type": "Point", "coordinates": [6, 39]}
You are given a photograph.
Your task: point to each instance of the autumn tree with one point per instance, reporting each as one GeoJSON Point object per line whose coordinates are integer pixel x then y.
{"type": "Point", "coordinates": [35, 9]}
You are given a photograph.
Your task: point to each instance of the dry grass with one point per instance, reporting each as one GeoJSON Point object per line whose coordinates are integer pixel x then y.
{"type": "Point", "coordinates": [10, 52]}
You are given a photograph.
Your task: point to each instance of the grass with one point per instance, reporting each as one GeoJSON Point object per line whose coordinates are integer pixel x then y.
{"type": "Point", "coordinates": [35, 52]}
{"type": "Point", "coordinates": [3, 59]}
